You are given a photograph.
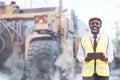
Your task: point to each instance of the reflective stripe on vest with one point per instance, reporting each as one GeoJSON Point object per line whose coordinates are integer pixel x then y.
{"type": "Point", "coordinates": [102, 67]}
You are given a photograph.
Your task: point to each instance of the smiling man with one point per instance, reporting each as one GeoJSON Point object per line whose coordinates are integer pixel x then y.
{"type": "Point", "coordinates": [95, 53]}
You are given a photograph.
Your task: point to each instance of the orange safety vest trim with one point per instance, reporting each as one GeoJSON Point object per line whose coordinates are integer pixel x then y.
{"type": "Point", "coordinates": [102, 67]}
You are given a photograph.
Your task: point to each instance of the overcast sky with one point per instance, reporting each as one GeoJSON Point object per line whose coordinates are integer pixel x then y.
{"type": "Point", "coordinates": [107, 10]}
{"type": "Point", "coordinates": [83, 8]}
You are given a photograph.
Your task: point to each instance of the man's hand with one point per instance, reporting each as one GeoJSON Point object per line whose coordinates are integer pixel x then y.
{"type": "Point", "coordinates": [103, 58]}
{"type": "Point", "coordinates": [88, 58]}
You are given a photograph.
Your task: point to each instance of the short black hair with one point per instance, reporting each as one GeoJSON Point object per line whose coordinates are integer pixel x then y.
{"type": "Point", "coordinates": [95, 18]}
{"type": "Point", "coordinates": [13, 2]}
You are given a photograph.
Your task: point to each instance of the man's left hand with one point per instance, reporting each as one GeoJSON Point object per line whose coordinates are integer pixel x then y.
{"type": "Point", "coordinates": [103, 58]}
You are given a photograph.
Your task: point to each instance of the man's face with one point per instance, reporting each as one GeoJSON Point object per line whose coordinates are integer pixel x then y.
{"type": "Point", "coordinates": [13, 5]}
{"type": "Point", "coordinates": [95, 26]}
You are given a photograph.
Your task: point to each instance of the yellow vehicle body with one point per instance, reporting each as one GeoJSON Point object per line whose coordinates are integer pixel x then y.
{"type": "Point", "coordinates": [50, 36]}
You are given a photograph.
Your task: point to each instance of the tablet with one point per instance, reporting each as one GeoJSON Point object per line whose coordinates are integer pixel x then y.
{"type": "Point", "coordinates": [96, 55]}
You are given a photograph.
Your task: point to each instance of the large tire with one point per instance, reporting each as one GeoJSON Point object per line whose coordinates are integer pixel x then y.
{"type": "Point", "coordinates": [6, 45]}
{"type": "Point", "coordinates": [40, 60]}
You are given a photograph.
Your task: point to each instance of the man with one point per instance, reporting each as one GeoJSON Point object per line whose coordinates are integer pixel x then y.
{"type": "Point", "coordinates": [95, 53]}
{"type": "Point", "coordinates": [13, 4]}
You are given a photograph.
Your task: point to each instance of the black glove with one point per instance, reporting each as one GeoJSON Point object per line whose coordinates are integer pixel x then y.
{"type": "Point", "coordinates": [103, 58]}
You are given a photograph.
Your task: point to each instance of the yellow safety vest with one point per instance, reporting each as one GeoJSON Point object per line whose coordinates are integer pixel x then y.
{"type": "Point", "coordinates": [102, 67]}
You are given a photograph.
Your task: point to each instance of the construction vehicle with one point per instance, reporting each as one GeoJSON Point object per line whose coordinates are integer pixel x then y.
{"type": "Point", "coordinates": [43, 34]}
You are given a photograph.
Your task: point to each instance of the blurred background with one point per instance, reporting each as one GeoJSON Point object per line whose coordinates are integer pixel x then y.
{"type": "Point", "coordinates": [107, 10]}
